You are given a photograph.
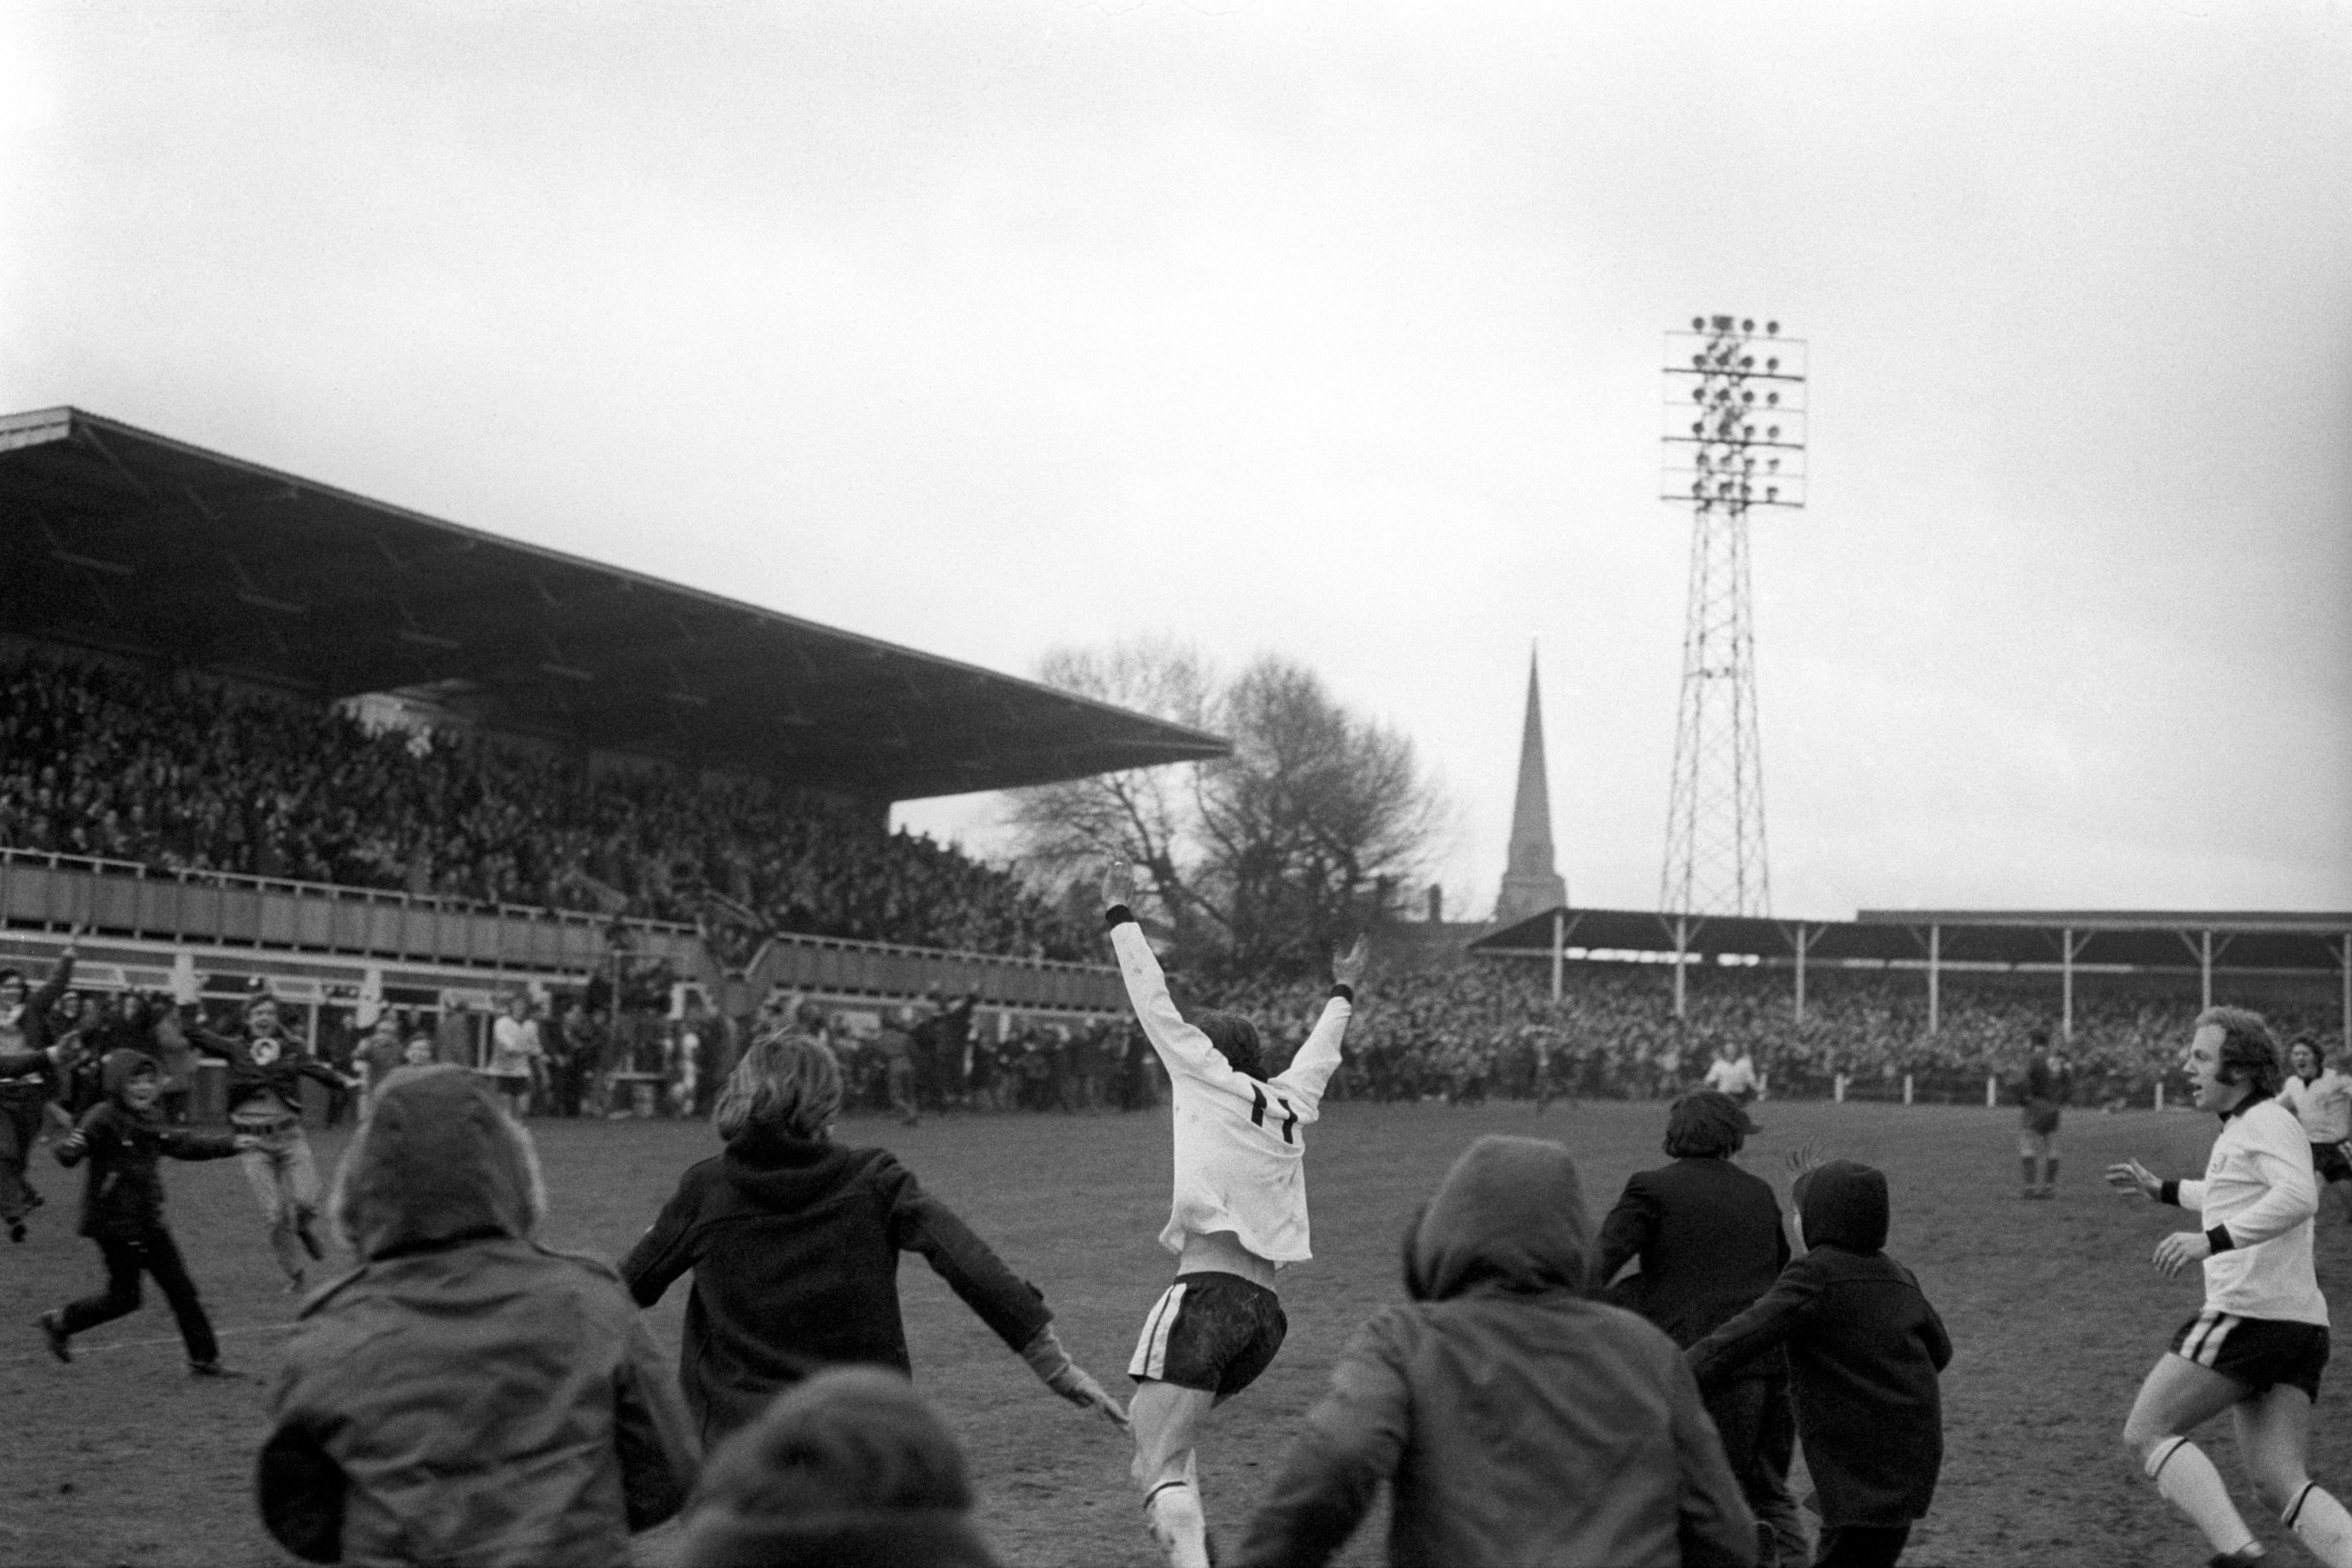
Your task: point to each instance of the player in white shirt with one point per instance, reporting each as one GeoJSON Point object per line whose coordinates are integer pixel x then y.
{"type": "Point", "coordinates": [1732, 1072]}
{"type": "Point", "coordinates": [1239, 1214]}
{"type": "Point", "coordinates": [2321, 1099]}
{"type": "Point", "coordinates": [2258, 1348]}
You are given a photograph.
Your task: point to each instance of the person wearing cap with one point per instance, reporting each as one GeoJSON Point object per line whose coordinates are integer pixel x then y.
{"type": "Point", "coordinates": [1708, 1237]}
{"type": "Point", "coordinates": [1516, 1419]}
{"type": "Point", "coordinates": [1865, 1350]}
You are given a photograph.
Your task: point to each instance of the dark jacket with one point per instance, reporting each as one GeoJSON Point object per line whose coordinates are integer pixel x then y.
{"type": "Point", "coordinates": [1865, 1349]}
{"type": "Point", "coordinates": [26, 1075]}
{"type": "Point", "coordinates": [249, 1078]}
{"type": "Point", "coordinates": [1518, 1421]}
{"type": "Point", "coordinates": [122, 1197]}
{"type": "Point", "coordinates": [795, 1247]}
{"type": "Point", "coordinates": [1708, 1238]}
{"type": "Point", "coordinates": [466, 1395]}
{"type": "Point", "coordinates": [2044, 1094]}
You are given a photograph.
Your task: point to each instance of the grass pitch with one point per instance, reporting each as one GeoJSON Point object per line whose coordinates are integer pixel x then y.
{"type": "Point", "coordinates": [120, 1458]}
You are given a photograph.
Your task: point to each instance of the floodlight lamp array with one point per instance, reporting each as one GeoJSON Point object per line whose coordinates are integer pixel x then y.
{"type": "Point", "coordinates": [1734, 416]}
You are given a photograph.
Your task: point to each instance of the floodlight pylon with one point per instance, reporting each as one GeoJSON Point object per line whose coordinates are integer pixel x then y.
{"type": "Point", "coordinates": [1735, 440]}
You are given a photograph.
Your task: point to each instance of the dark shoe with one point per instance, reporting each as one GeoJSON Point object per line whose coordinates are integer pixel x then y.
{"type": "Point", "coordinates": [15, 1231]}
{"type": "Point", "coordinates": [212, 1368]}
{"type": "Point", "coordinates": [2243, 1557]}
{"type": "Point", "coordinates": [54, 1331]}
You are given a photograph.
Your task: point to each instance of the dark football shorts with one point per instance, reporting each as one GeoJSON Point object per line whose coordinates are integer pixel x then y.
{"type": "Point", "coordinates": [2261, 1353]}
{"type": "Point", "coordinates": [1210, 1331]}
{"type": "Point", "coordinates": [2328, 1163]}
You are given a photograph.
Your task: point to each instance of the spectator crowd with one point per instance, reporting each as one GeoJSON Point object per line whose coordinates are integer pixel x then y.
{"type": "Point", "coordinates": [134, 765]}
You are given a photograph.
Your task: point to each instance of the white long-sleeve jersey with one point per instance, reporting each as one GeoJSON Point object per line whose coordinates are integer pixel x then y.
{"type": "Point", "coordinates": [2256, 1204]}
{"type": "Point", "coordinates": [1240, 1144]}
{"type": "Point", "coordinates": [2324, 1105]}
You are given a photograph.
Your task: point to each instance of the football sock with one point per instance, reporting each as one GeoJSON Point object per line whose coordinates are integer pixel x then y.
{"type": "Point", "coordinates": [2320, 1522]}
{"type": "Point", "coordinates": [2188, 1481]}
{"type": "Point", "coordinates": [2027, 1161]}
{"type": "Point", "coordinates": [2050, 1175]}
{"type": "Point", "coordinates": [1173, 1511]}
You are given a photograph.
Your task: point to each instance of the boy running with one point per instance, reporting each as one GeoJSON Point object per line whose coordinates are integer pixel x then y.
{"type": "Point", "coordinates": [122, 1209]}
{"type": "Point", "coordinates": [2258, 1346]}
{"type": "Point", "coordinates": [1239, 1214]}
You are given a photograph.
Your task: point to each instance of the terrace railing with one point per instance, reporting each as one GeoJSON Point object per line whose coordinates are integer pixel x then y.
{"type": "Point", "coordinates": [216, 908]}
{"type": "Point", "coordinates": [213, 908]}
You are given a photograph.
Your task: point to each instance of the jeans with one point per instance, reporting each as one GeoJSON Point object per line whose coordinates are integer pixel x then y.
{"type": "Point", "coordinates": [20, 1124]}
{"type": "Point", "coordinates": [285, 1182]}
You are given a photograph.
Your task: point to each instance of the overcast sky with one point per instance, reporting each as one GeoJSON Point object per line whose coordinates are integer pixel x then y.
{"type": "Point", "coordinates": [1332, 330]}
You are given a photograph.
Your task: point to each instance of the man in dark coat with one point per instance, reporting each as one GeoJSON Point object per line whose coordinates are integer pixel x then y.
{"type": "Point", "coordinates": [1708, 1238]}
{"type": "Point", "coordinates": [1864, 1350]}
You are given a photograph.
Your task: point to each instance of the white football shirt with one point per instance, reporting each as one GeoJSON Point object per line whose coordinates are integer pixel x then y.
{"type": "Point", "coordinates": [1240, 1144]}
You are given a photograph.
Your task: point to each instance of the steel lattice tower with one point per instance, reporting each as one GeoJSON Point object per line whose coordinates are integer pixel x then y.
{"type": "Point", "coordinates": [1735, 440]}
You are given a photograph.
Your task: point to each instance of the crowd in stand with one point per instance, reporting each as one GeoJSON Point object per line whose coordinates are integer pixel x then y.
{"type": "Point", "coordinates": [134, 765]}
{"type": "Point", "coordinates": [1490, 1029]}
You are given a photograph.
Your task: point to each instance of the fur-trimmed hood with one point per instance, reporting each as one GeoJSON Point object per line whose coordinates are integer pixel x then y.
{"type": "Point", "coordinates": [438, 1160]}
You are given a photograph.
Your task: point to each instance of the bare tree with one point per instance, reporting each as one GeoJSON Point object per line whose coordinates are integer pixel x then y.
{"type": "Point", "coordinates": [1146, 815]}
{"type": "Point", "coordinates": [1262, 860]}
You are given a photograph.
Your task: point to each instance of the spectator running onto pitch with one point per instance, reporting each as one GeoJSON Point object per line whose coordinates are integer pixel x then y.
{"type": "Point", "coordinates": [27, 1083]}
{"type": "Point", "coordinates": [266, 1071]}
{"type": "Point", "coordinates": [1240, 1213]}
{"type": "Point", "coordinates": [793, 1240]}
{"type": "Point", "coordinates": [2258, 1347]}
{"type": "Point", "coordinates": [122, 1209]}
{"type": "Point", "coordinates": [466, 1395]}
{"type": "Point", "coordinates": [2321, 1099]}
{"type": "Point", "coordinates": [1515, 1419]}
{"type": "Point", "coordinates": [1865, 1350]}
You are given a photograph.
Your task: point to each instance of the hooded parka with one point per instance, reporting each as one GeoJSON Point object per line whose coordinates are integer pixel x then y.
{"type": "Point", "coordinates": [1518, 1420]}
{"type": "Point", "coordinates": [466, 1395]}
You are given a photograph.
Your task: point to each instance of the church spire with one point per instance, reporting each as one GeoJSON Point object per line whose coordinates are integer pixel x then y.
{"type": "Point", "coordinates": [1530, 884]}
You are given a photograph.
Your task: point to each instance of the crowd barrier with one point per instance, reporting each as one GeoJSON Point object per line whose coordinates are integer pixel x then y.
{"type": "Point", "coordinates": [226, 910]}
{"type": "Point", "coordinates": [223, 909]}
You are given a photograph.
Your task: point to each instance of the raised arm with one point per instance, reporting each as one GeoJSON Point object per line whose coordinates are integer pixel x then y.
{"type": "Point", "coordinates": [1316, 1059]}
{"type": "Point", "coordinates": [37, 1005]}
{"type": "Point", "coordinates": [1181, 1047]}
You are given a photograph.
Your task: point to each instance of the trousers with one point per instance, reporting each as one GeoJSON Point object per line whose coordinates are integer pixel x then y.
{"type": "Point", "coordinates": [155, 1254]}
{"type": "Point", "coordinates": [284, 1183]}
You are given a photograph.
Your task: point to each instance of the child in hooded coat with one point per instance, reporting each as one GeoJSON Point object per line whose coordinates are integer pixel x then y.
{"type": "Point", "coordinates": [465, 1394]}
{"type": "Point", "coordinates": [1864, 1350]}
{"type": "Point", "coordinates": [1517, 1419]}
{"type": "Point", "coordinates": [123, 1137]}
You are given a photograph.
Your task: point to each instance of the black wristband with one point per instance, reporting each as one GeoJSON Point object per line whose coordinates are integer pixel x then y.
{"type": "Point", "coordinates": [1345, 992]}
{"type": "Point", "coordinates": [2170, 1193]}
{"type": "Point", "coordinates": [2218, 1239]}
{"type": "Point", "coordinates": [1117, 914]}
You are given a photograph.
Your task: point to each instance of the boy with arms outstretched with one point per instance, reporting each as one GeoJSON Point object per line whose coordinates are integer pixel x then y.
{"type": "Point", "coordinates": [1239, 1214]}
